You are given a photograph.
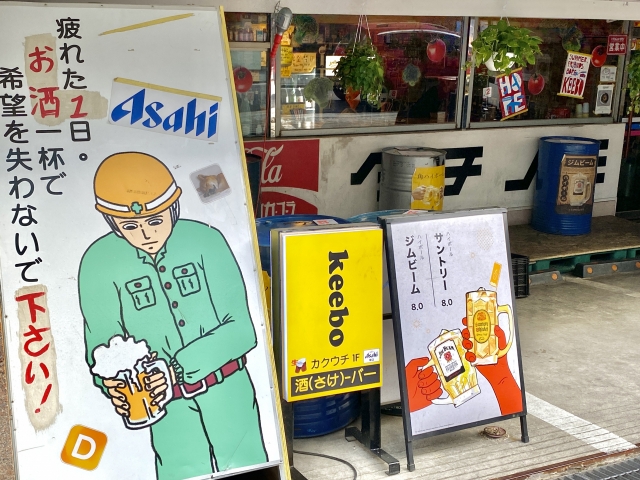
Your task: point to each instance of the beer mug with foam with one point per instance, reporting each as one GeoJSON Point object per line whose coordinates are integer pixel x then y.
{"type": "Point", "coordinates": [458, 377]}
{"type": "Point", "coordinates": [141, 412]}
{"type": "Point", "coordinates": [579, 190]}
{"type": "Point", "coordinates": [482, 317]}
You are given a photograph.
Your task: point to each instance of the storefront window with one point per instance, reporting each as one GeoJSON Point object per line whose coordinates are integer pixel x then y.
{"type": "Point", "coordinates": [548, 93]}
{"type": "Point", "coordinates": [249, 44]}
{"type": "Point", "coordinates": [420, 83]}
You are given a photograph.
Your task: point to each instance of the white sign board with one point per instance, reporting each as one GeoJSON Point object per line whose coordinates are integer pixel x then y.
{"type": "Point", "coordinates": [456, 331]}
{"type": "Point", "coordinates": [133, 315]}
{"type": "Point", "coordinates": [574, 76]}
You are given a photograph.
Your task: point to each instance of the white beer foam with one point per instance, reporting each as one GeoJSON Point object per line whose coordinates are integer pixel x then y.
{"type": "Point", "coordinates": [119, 355]}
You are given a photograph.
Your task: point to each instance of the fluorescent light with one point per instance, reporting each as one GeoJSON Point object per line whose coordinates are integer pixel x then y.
{"type": "Point", "coordinates": [416, 30]}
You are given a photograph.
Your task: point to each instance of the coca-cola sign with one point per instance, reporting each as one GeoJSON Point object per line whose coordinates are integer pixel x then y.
{"type": "Point", "coordinates": [290, 168]}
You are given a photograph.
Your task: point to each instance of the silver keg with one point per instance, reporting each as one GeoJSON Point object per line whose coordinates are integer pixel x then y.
{"type": "Point", "coordinates": [398, 167]}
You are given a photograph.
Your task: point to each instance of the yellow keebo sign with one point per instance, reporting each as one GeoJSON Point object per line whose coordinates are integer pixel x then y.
{"type": "Point", "coordinates": [332, 311]}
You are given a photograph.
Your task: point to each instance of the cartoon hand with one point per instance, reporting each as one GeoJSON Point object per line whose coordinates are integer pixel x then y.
{"type": "Point", "coordinates": [117, 397]}
{"type": "Point", "coordinates": [157, 383]}
{"type": "Point", "coordinates": [418, 193]}
{"type": "Point", "coordinates": [423, 385]}
{"type": "Point", "coordinates": [499, 376]}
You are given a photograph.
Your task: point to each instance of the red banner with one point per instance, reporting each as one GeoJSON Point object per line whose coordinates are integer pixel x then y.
{"type": "Point", "coordinates": [291, 163]}
{"type": "Point", "coordinates": [617, 45]}
{"type": "Point", "coordinates": [287, 164]}
{"type": "Point", "coordinates": [275, 203]}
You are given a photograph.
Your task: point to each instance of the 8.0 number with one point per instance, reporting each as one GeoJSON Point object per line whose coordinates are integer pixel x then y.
{"type": "Point", "coordinates": [447, 303]}
{"type": "Point", "coordinates": [417, 306]}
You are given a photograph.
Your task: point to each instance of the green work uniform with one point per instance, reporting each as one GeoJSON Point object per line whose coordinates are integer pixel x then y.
{"type": "Point", "coordinates": [190, 306]}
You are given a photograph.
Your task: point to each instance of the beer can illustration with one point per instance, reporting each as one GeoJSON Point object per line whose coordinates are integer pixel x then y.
{"type": "Point", "coordinates": [458, 377]}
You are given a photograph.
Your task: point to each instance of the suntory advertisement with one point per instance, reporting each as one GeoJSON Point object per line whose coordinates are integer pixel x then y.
{"type": "Point", "coordinates": [332, 306]}
{"type": "Point", "coordinates": [451, 277]}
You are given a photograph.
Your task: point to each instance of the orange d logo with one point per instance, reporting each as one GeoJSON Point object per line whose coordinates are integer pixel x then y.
{"type": "Point", "coordinates": [84, 447]}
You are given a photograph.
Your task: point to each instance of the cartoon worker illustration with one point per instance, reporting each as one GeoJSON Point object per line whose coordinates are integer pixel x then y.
{"type": "Point", "coordinates": [175, 285]}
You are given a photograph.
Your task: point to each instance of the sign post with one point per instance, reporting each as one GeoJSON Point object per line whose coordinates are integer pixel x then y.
{"type": "Point", "coordinates": [454, 374]}
{"type": "Point", "coordinates": [328, 317]}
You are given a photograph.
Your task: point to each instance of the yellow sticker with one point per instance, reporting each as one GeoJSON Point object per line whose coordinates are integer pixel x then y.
{"type": "Point", "coordinates": [303, 63]}
{"type": "Point", "coordinates": [427, 188]}
{"type": "Point", "coordinates": [495, 274]}
{"type": "Point", "coordinates": [286, 56]}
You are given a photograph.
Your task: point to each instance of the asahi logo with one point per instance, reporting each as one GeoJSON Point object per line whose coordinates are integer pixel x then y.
{"type": "Point", "coordinates": [271, 173]}
{"type": "Point", "coordinates": [164, 110]}
{"type": "Point", "coordinates": [371, 356]}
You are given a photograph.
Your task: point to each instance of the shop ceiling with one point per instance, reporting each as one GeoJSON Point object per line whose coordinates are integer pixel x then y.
{"type": "Point", "coordinates": [592, 9]}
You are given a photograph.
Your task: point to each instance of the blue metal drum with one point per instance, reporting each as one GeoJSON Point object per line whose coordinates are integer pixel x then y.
{"type": "Point", "coordinates": [317, 416]}
{"type": "Point", "coordinates": [563, 199]}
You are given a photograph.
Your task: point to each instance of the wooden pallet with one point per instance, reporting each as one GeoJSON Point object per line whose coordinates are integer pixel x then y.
{"type": "Point", "coordinates": [611, 239]}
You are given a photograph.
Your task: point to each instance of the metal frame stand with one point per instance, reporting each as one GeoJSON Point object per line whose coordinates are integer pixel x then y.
{"type": "Point", "coordinates": [523, 429]}
{"type": "Point", "coordinates": [369, 434]}
{"type": "Point", "coordinates": [287, 417]}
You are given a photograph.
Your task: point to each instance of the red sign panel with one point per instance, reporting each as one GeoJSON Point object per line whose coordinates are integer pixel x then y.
{"type": "Point", "coordinates": [617, 45]}
{"type": "Point", "coordinates": [287, 164]}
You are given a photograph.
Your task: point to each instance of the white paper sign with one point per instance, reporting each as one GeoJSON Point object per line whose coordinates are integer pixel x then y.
{"type": "Point", "coordinates": [608, 73]}
{"type": "Point", "coordinates": [447, 268]}
{"type": "Point", "coordinates": [604, 99]}
{"type": "Point", "coordinates": [574, 78]}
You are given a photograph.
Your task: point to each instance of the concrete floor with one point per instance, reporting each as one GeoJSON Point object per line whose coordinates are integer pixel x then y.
{"type": "Point", "coordinates": [579, 342]}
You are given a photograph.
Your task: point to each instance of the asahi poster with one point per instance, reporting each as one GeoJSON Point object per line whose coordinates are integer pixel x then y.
{"type": "Point", "coordinates": [133, 312]}
{"type": "Point", "coordinates": [331, 310]}
{"type": "Point", "coordinates": [453, 304]}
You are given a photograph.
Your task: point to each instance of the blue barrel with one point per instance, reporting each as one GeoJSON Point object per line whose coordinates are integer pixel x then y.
{"type": "Point", "coordinates": [563, 199]}
{"type": "Point", "coordinates": [318, 416]}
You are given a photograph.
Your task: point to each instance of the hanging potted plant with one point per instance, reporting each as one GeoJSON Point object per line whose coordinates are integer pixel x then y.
{"type": "Point", "coordinates": [361, 72]}
{"type": "Point", "coordinates": [503, 46]}
{"type": "Point", "coordinates": [306, 28]}
{"type": "Point", "coordinates": [319, 90]}
{"type": "Point", "coordinates": [629, 171]}
{"type": "Point", "coordinates": [633, 84]}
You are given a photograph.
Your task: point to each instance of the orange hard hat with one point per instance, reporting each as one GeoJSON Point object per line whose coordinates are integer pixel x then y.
{"type": "Point", "coordinates": [134, 184]}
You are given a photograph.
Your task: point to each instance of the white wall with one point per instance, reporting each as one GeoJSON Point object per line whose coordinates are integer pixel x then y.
{"type": "Point", "coordinates": [507, 154]}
